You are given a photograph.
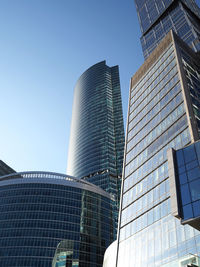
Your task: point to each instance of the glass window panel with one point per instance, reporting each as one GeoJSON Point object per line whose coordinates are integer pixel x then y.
{"type": "Point", "coordinates": [144, 220]}
{"type": "Point", "coordinates": [165, 241]}
{"type": "Point", "coordinates": [185, 194]}
{"type": "Point", "coordinates": [169, 206]}
{"type": "Point", "coordinates": [197, 146]}
{"type": "Point", "coordinates": [181, 169]}
{"type": "Point", "coordinates": [139, 224]}
{"type": "Point", "coordinates": [193, 174]}
{"type": "Point", "coordinates": [150, 197]}
{"type": "Point", "coordinates": [162, 188]}
{"type": "Point", "coordinates": [180, 234]}
{"type": "Point", "coordinates": [144, 201]}
{"type": "Point", "coordinates": [187, 211]}
{"type": "Point", "coordinates": [196, 208]}
{"type": "Point", "coordinates": [195, 190]}
{"type": "Point", "coordinates": [172, 238]}
{"type": "Point", "coordinates": [150, 217]}
{"type": "Point", "coordinates": [167, 186]}
{"type": "Point", "coordinates": [189, 153]}
{"type": "Point", "coordinates": [156, 194]}
{"type": "Point", "coordinates": [157, 213]}
{"type": "Point", "coordinates": [191, 165]}
{"type": "Point", "coordinates": [183, 178]}
{"type": "Point", "coordinates": [189, 232]}
{"type": "Point", "coordinates": [127, 230]}
{"type": "Point", "coordinates": [133, 227]}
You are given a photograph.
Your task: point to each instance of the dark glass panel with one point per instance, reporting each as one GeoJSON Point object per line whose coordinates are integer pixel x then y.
{"type": "Point", "coordinates": [187, 212]}
{"type": "Point", "coordinates": [181, 169]}
{"type": "Point", "coordinates": [189, 153]}
{"type": "Point", "coordinates": [180, 158]}
{"type": "Point", "coordinates": [183, 178]}
{"type": "Point", "coordinates": [195, 190]}
{"type": "Point", "coordinates": [192, 165]}
{"type": "Point", "coordinates": [196, 208]}
{"type": "Point", "coordinates": [193, 174]}
{"type": "Point", "coordinates": [185, 194]}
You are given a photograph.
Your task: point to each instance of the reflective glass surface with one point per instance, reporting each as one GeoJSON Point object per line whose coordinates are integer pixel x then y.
{"type": "Point", "coordinates": [158, 17]}
{"type": "Point", "coordinates": [96, 146]}
{"type": "Point", "coordinates": [36, 215]}
{"type": "Point", "coordinates": [149, 235]}
{"type": "Point", "coordinates": [192, 72]}
{"type": "Point", "coordinates": [188, 175]}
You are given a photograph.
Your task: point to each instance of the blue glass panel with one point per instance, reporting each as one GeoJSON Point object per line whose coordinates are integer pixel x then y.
{"type": "Point", "coordinates": [181, 169]}
{"type": "Point", "coordinates": [187, 211]}
{"type": "Point", "coordinates": [179, 157]}
{"type": "Point", "coordinates": [196, 208]}
{"type": "Point", "coordinates": [197, 146]}
{"type": "Point", "coordinates": [192, 165]}
{"type": "Point", "coordinates": [185, 194]}
{"type": "Point", "coordinates": [183, 178]}
{"type": "Point", "coordinates": [195, 190]}
{"type": "Point", "coordinates": [193, 174]}
{"type": "Point", "coordinates": [189, 153]}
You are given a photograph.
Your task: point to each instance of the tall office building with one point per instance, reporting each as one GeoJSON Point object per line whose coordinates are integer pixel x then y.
{"type": "Point", "coordinates": [157, 17]}
{"type": "Point", "coordinates": [164, 109]}
{"type": "Point", "coordinates": [96, 144]}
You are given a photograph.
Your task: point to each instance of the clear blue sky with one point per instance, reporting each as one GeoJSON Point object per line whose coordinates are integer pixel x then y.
{"type": "Point", "coordinates": [45, 46]}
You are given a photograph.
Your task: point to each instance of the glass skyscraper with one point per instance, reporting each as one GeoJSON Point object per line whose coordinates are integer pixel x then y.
{"type": "Point", "coordinates": [157, 17]}
{"type": "Point", "coordinates": [40, 211]}
{"type": "Point", "coordinates": [96, 144]}
{"type": "Point", "coordinates": [164, 105]}
{"type": "Point", "coordinates": [163, 113]}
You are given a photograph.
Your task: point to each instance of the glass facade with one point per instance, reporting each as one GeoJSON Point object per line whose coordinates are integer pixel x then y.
{"type": "Point", "coordinates": [96, 144]}
{"type": "Point", "coordinates": [186, 261]}
{"type": "Point", "coordinates": [38, 210]}
{"type": "Point", "coordinates": [192, 70]}
{"type": "Point", "coordinates": [186, 165]}
{"type": "Point", "coordinates": [64, 255]}
{"type": "Point", "coordinates": [160, 117]}
{"type": "Point", "coordinates": [158, 17]}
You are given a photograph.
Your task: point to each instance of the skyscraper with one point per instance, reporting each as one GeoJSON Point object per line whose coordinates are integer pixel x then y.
{"type": "Point", "coordinates": [157, 17]}
{"type": "Point", "coordinates": [163, 113]}
{"type": "Point", "coordinates": [96, 144]}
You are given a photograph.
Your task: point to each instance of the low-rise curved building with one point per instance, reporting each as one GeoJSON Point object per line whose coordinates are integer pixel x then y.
{"type": "Point", "coordinates": [40, 209]}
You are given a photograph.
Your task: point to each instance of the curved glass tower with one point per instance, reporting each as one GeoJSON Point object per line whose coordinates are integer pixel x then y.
{"type": "Point", "coordinates": [38, 210]}
{"type": "Point", "coordinates": [97, 131]}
